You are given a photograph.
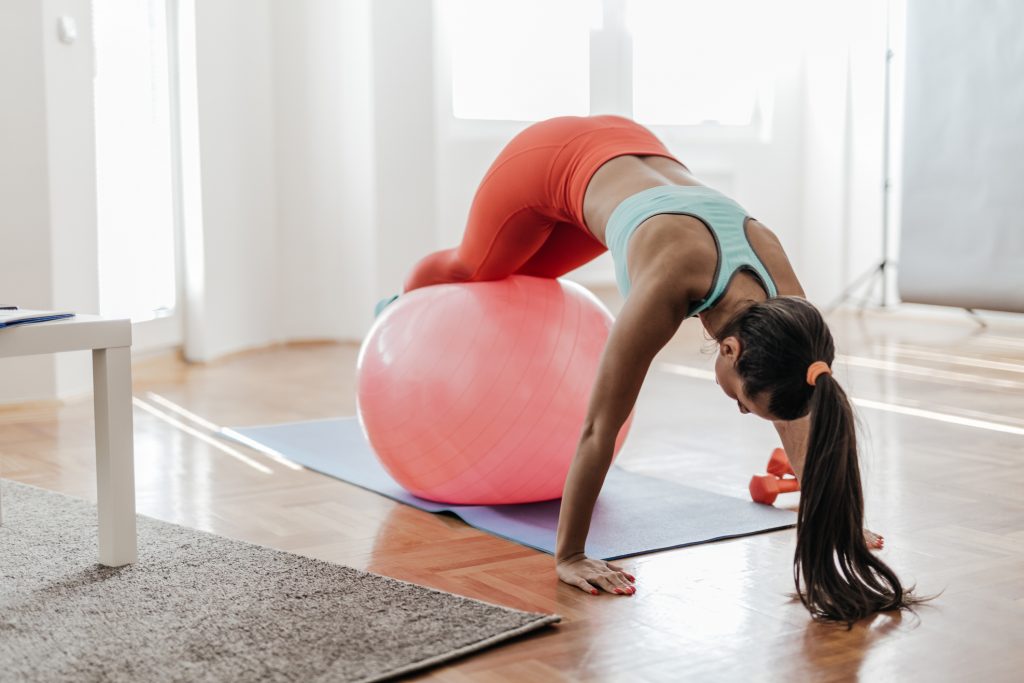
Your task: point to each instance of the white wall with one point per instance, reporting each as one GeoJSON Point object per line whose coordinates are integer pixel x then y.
{"type": "Point", "coordinates": [24, 189]}
{"type": "Point", "coordinates": [71, 155]}
{"type": "Point", "coordinates": [47, 184]}
{"type": "Point", "coordinates": [325, 167]}
{"type": "Point", "coordinates": [841, 221]}
{"type": "Point", "coordinates": [234, 66]}
{"type": "Point", "coordinates": [317, 154]}
{"type": "Point", "coordinates": [403, 84]}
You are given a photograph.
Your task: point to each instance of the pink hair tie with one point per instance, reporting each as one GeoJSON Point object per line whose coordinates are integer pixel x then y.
{"type": "Point", "coordinates": [817, 368]}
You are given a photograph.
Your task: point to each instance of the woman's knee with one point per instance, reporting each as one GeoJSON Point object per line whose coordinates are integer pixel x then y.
{"type": "Point", "coordinates": [438, 268]}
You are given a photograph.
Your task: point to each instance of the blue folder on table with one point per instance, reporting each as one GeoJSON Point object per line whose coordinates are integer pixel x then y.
{"type": "Point", "coordinates": [11, 317]}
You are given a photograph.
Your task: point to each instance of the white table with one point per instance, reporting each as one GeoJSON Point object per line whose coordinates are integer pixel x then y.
{"type": "Point", "coordinates": [110, 341]}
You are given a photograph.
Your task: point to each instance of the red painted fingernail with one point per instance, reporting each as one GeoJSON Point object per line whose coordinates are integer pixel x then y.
{"type": "Point", "coordinates": [593, 592]}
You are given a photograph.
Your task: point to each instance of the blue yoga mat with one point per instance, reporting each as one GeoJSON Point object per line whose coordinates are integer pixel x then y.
{"type": "Point", "coordinates": [634, 514]}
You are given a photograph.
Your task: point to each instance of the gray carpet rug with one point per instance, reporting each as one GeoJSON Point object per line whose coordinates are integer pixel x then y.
{"type": "Point", "coordinates": [200, 607]}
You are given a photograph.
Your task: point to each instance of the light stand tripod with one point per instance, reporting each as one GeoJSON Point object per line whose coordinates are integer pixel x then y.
{"type": "Point", "coordinates": [877, 273]}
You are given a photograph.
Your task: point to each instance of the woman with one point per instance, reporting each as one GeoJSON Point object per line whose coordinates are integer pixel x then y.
{"type": "Point", "coordinates": [565, 190]}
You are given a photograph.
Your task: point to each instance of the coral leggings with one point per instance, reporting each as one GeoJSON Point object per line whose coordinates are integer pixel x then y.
{"type": "Point", "coordinates": [527, 215]}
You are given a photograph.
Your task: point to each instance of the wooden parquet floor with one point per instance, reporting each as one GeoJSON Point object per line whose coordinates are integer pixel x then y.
{"type": "Point", "coordinates": [942, 406]}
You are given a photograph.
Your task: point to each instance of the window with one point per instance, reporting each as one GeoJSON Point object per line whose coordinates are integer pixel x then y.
{"type": "Point", "coordinates": [694, 62]}
{"type": "Point", "coordinates": [519, 60]}
{"type": "Point", "coordinates": [135, 196]}
{"type": "Point", "coordinates": [697, 62]}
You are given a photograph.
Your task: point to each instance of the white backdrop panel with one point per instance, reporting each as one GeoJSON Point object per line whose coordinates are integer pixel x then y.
{"type": "Point", "coordinates": [962, 224]}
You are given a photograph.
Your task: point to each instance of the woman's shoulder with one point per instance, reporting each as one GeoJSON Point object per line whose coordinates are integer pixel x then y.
{"type": "Point", "coordinates": [769, 248]}
{"type": "Point", "coordinates": [676, 253]}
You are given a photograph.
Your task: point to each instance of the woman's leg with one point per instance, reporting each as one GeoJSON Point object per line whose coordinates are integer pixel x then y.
{"type": "Point", "coordinates": [566, 249]}
{"type": "Point", "coordinates": [526, 216]}
{"type": "Point", "coordinates": [511, 216]}
{"type": "Point", "coordinates": [493, 247]}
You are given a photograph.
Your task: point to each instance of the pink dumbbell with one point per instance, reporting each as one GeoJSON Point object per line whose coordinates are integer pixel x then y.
{"type": "Point", "coordinates": [778, 464]}
{"type": "Point", "coordinates": [765, 488]}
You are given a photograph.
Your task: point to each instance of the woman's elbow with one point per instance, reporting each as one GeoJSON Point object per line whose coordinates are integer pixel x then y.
{"type": "Point", "coordinates": [597, 436]}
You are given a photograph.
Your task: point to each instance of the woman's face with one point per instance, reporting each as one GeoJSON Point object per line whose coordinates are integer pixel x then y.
{"type": "Point", "coordinates": [727, 378]}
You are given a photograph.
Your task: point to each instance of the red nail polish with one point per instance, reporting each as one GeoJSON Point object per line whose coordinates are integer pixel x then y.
{"type": "Point", "coordinates": [593, 592]}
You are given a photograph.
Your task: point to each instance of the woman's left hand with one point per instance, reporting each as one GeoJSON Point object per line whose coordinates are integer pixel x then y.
{"type": "Point", "coordinates": [585, 573]}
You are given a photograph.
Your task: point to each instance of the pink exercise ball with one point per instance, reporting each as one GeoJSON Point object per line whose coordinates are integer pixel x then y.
{"type": "Point", "coordinates": [475, 393]}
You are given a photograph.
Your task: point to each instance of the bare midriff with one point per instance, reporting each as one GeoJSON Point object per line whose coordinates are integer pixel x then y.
{"type": "Point", "coordinates": [623, 177]}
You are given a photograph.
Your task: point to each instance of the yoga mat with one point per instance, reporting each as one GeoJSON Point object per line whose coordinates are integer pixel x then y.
{"type": "Point", "coordinates": [634, 514]}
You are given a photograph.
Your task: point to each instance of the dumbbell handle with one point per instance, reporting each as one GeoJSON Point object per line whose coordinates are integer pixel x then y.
{"type": "Point", "coordinates": [779, 465]}
{"type": "Point", "coordinates": [765, 488]}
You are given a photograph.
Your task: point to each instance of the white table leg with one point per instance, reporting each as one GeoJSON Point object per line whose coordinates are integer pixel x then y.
{"type": "Point", "coordinates": [115, 448]}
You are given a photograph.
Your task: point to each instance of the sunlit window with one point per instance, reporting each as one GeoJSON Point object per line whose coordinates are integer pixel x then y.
{"type": "Point", "coordinates": [519, 60]}
{"type": "Point", "coordinates": [694, 62]}
{"type": "Point", "coordinates": [135, 201]}
{"type": "Point", "coordinates": [697, 62]}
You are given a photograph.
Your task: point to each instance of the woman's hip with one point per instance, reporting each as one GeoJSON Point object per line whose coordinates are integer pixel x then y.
{"type": "Point", "coordinates": [548, 165]}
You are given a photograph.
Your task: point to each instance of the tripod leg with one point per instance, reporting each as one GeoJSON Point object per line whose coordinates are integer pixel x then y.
{"type": "Point", "coordinates": [848, 291]}
{"type": "Point", "coordinates": [977, 318]}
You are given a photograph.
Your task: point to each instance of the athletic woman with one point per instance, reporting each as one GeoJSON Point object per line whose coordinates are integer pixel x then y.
{"type": "Point", "coordinates": [565, 190]}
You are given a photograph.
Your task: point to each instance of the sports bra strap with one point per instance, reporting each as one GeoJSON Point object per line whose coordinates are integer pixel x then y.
{"type": "Point", "coordinates": [723, 217]}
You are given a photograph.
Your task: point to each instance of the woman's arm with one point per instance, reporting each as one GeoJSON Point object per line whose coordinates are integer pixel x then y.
{"type": "Point", "coordinates": [646, 323]}
{"type": "Point", "coordinates": [794, 432]}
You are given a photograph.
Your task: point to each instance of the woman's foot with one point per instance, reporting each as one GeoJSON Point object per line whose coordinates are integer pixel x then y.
{"type": "Point", "coordinates": [382, 304]}
{"type": "Point", "coordinates": [874, 541]}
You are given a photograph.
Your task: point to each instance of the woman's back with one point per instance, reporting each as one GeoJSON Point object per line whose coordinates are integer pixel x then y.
{"type": "Point", "coordinates": [623, 177]}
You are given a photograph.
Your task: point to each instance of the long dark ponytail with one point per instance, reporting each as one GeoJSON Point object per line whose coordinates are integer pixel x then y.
{"type": "Point", "coordinates": [837, 577]}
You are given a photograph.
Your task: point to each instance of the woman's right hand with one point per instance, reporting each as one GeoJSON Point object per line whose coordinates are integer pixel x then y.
{"type": "Point", "coordinates": [585, 574]}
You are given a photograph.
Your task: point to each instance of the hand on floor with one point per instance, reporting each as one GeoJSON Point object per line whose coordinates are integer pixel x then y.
{"type": "Point", "coordinates": [585, 574]}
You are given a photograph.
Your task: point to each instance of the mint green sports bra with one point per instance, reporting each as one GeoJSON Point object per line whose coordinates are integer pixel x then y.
{"type": "Point", "coordinates": [724, 218]}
